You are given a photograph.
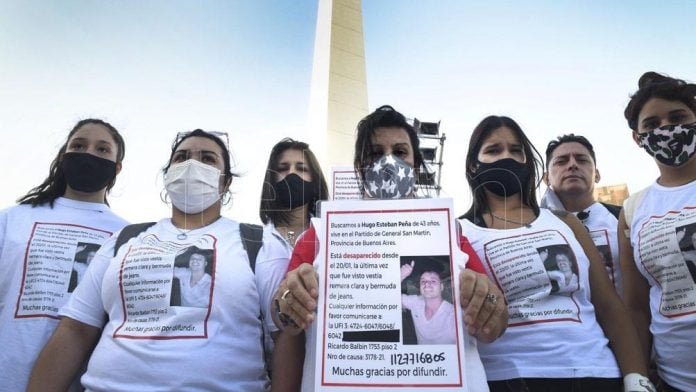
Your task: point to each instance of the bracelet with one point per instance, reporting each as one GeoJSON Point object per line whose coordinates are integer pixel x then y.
{"type": "Point", "coordinates": [634, 382]}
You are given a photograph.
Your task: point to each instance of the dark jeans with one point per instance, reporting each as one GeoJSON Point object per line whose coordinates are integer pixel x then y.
{"type": "Point", "coordinates": [587, 384]}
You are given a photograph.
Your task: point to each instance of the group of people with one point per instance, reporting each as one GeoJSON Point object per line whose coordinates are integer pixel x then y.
{"type": "Point", "coordinates": [197, 301]}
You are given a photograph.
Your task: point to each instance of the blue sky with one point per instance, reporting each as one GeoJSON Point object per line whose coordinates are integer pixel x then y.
{"type": "Point", "coordinates": [153, 68]}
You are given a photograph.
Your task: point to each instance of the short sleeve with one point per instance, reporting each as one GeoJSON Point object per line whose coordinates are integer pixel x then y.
{"type": "Point", "coordinates": [409, 301]}
{"type": "Point", "coordinates": [85, 304]}
{"type": "Point", "coordinates": [271, 265]}
{"type": "Point", "coordinates": [305, 250]}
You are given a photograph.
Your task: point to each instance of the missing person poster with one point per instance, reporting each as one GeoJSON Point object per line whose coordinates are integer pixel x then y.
{"type": "Point", "coordinates": [388, 315]}
{"type": "Point", "coordinates": [528, 267]}
{"type": "Point", "coordinates": [344, 183]}
{"type": "Point", "coordinates": [167, 288]}
{"type": "Point", "coordinates": [667, 247]}
{"type": "Point", "coordinates": [56, 257]}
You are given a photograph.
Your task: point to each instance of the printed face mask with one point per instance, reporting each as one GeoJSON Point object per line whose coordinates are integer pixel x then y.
{"type": "Point", "coordinates": [85, 172]}
{"type": "Point", "coordinates": [504, 177]}
{"type": "Point", "coordinates": [672, 145]}
{"type": "Point", "coordinates": [292, 191]}
{"type": "Point", "coordinates": [192, 186]}
{"type": "Point", "coordinates": [389, 178]}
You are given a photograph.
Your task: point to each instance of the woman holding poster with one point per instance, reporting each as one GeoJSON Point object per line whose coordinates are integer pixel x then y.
{"type": "Point", "coordinates": [292, 186]}
{"type": "Point", "coordinates": [123, 310]}
{"type": "Point", "coordinates": [46, 240]}
{"type": "Point", "coordinates": [553, 342]}
{"type": "Point", "coordinates": [657, 252]}
{"type": "Point", "coordinates": [387, 160]}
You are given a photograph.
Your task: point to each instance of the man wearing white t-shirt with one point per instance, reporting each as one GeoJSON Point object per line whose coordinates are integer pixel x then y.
{"type": "Point", "coordinates": [571, 174]}
{"type": "Point", "coordinates": [194, 282]}
{"type": "Point", "coordinates": [433, 316]}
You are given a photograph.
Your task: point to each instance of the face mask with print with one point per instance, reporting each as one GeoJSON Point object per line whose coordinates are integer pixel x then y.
{"type": "Point", "coordinates": [192, 186]}
{"type": "Point", "coordinates": [672, 145]}
{"type": "Point", "coordinates": [389, 178]}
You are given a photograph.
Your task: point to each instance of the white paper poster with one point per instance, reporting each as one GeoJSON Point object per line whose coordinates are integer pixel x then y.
{"type": "Point", "coordinates": [667, 247]}
{"type": "Point", "coordinates": [345, 184]}
{"type": "Point", "coordinates": [388, 317]}
{"type": "Point", "coordinates": [56, 257]}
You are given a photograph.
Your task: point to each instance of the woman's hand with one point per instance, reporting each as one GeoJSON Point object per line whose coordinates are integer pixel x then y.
{"type": "Point", "coordinates": [297, 296]}
{"type": "Point", "coordinates": [486, 313]}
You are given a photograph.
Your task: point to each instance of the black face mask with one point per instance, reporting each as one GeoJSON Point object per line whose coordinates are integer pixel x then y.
{"type": "Point", "coordinates": [504, 177]}
{"type": "Point", "coordinates": [292, 191]}
{"type": "Point", "coordinates": [87, 173]}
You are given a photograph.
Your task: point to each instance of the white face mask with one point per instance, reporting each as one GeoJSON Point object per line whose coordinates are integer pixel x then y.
{"type": "Point", "coordinates": [193, 186]}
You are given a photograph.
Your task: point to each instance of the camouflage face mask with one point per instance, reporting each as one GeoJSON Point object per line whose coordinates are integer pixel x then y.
{"type": "Point", "coordinates": [389, 178]}
{"type": "Point", "coordinates": [672, 145]}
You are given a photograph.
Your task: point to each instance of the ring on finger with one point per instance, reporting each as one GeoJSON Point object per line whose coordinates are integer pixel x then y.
{"type": "Point", "coordinates": [492, 298]}
{"type": "Point", "coordinates": [285, 294]}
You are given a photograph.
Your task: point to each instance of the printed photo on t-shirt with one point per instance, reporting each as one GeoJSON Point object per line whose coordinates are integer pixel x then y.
{"type": "Point", "coordinates": [686, 235]}
{"type": "Point", "coordinates": [192, 280]}
{"type": "Point", "coordinates": [427, 310]}
{"type": "Point", "coordinates": [561, 268]}
{"type": "Point", "coordinates": [84, 253]}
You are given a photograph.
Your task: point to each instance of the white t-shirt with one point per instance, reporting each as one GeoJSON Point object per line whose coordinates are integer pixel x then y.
{"type": "Point", "coordinates": [38, 249]}
{"type": "Point", "coordinates": [436, 330]}
{"type": "Point", "coordinates": [549, 334]}
{"type": "Point", "coordinates": [148, 344]}
{"type": "Point", "coordinates": [195, 295]}
{"type": "Point", "coordinates": [660, 257]}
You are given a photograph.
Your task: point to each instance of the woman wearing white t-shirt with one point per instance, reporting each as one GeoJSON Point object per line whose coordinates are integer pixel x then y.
{"type": "Point", "coordinates": [386, 151]}
{"type": "Point", "coordinates": [41, 238]}
{"type": "Point", "coordinates": [582, 340]}
{"type": "Point", "coordinates": [123, 310]}
{"type": "Point", "coordinates": [659, 286]}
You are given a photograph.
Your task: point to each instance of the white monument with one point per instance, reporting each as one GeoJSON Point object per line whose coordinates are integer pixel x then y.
{"type": "Point", "coordinates": [338, 97]}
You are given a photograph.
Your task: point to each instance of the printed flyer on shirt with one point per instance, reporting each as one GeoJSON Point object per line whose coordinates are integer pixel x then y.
{"type": "Point", "coordinates": [538, 273]}
{"type": "Point", "coordinates": [601, 240]}
{"type": "Point", "coordinates": [388, 316]}
{"type": "Point", "coordinates": [56, 257]}
{"type": "Point", "coordinates": [167, 289]}
{"type": "Point", "coordinates": [667, 247]}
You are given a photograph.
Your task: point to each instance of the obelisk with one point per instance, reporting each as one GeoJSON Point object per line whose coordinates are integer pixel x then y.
{"type": "Point", "coordinates": [338, 96]}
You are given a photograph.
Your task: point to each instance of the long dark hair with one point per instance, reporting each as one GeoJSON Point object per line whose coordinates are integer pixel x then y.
{"type": "Point", "coordinates": [269, 210]}
{"type": "Point", "coordinates": [655, 85]}
{"type": "Point", "coordinates": [534, 163]}
{"type": "Point", "coordinates": [383, 116]}
{"type": "Point", "coordinates": [54, 185]}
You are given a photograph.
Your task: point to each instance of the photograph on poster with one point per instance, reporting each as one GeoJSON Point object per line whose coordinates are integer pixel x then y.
{"type": "Point", "coordinates": [561, 267]}
{"type": "Point", "coordinates": [192, 279]}
{"type": "Point", "coordinates": [84, 253]}
{"type": "Point", "coordinates": [427, 310]}
{"type": "Point", "coordinates": [686, 235]}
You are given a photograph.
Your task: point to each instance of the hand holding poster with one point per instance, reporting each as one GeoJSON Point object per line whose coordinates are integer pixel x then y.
{"type": "Point", "coordinates": [388, 314]}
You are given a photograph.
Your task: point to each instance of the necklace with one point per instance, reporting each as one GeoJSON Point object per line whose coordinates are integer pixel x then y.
{"type": "Point", "coordinates": [290, 237]}
{"type": "Point", "coordinates": [182, 234]}
{"type": "Point", "coordinates": [527, 225]}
